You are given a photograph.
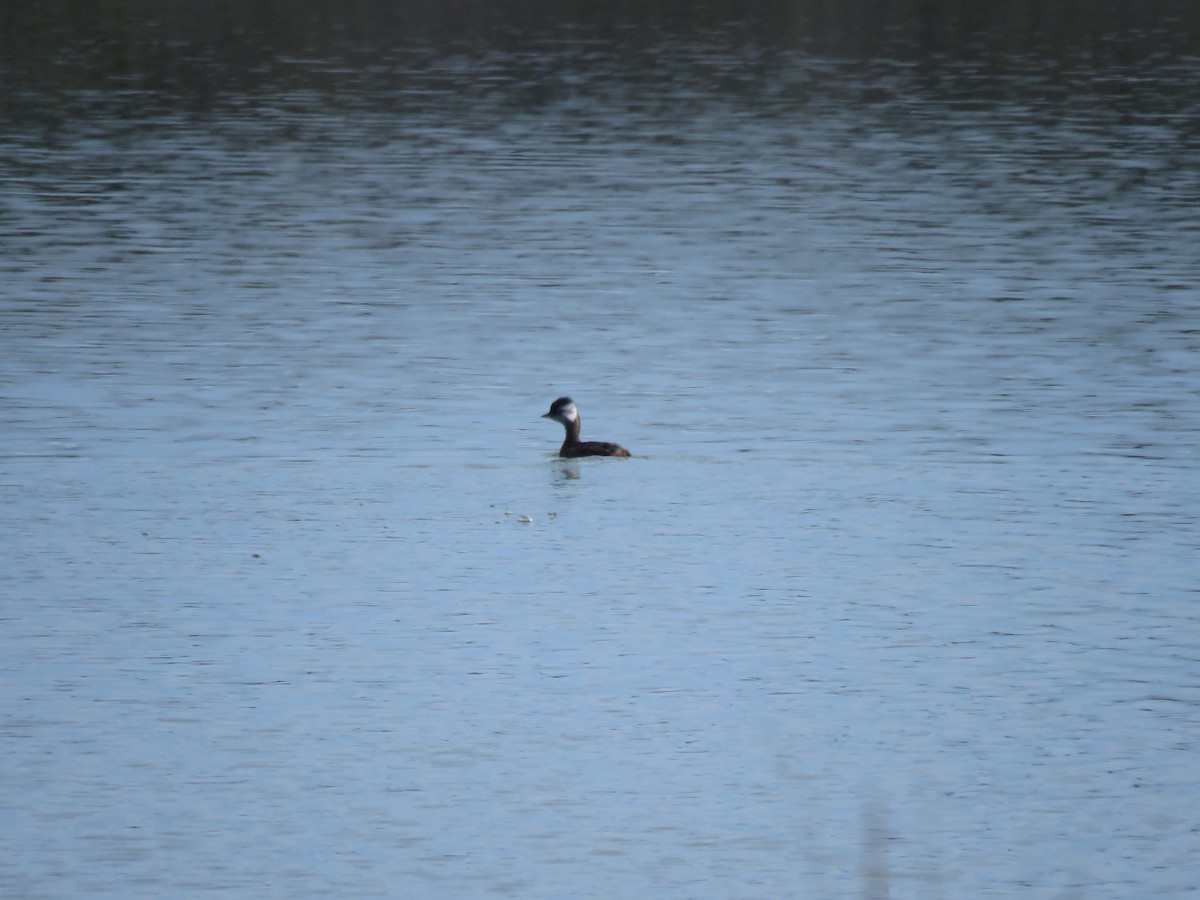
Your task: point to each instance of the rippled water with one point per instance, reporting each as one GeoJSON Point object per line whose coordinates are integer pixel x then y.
{"type": "Point", "coordinates": [897, 596]}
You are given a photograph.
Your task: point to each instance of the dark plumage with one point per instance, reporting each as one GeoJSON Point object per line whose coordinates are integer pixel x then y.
{"type": "Point", "coordinates": [563, 410]}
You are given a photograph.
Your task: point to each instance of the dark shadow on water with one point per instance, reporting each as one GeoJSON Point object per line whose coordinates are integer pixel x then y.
{"type": "Point", "coordinates": [201, 56]}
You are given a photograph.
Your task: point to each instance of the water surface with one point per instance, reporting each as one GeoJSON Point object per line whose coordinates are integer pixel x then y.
{"type": "Point", "coordinates": [897, 596]}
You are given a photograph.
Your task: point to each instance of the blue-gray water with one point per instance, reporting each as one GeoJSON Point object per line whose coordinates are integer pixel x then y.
{"type": "Point", "coordinates": [896, 598]}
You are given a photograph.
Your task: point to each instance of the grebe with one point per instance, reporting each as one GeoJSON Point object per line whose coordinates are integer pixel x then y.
{"type": "Point", "coordinates": [563, 410]}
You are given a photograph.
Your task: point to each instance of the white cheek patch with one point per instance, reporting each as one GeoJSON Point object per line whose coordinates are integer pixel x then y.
{"type": "Point", "coordinates": [569, 413]}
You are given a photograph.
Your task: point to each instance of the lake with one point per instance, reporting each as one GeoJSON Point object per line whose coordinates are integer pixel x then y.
{"type": "Point", "coordinates": [896, 597]}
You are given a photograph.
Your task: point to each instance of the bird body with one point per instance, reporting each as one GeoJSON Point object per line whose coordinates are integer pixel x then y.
{"type": "Point", "coordinates": [563, 410]}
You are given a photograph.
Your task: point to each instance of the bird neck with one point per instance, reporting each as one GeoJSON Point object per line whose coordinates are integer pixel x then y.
{"type": "Point", "coordinates": [572, 429]}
